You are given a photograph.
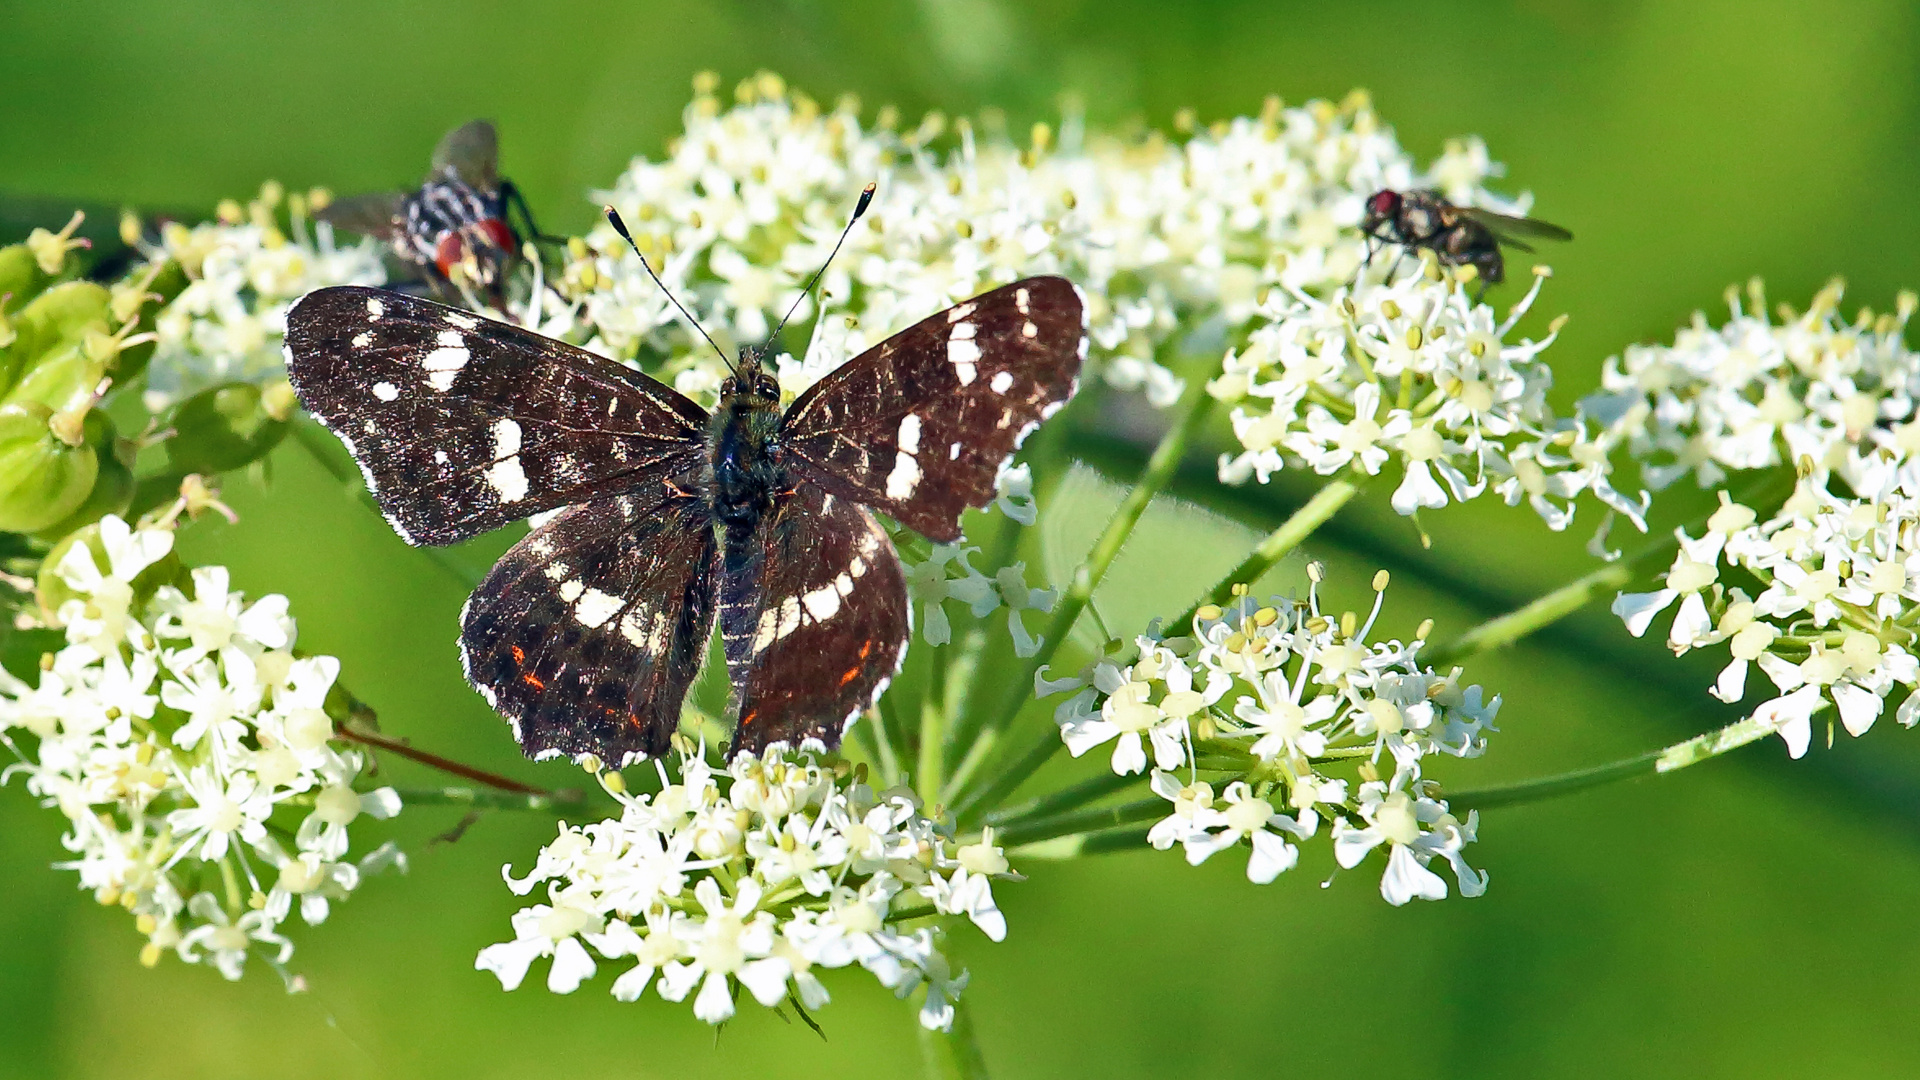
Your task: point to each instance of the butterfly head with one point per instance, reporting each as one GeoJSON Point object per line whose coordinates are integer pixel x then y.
{"type": "Point", "coordinates": [752, 382]}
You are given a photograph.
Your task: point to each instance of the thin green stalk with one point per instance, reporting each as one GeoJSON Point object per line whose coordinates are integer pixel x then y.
{"type": "Point", "coordinates": [1652, 763]}
{"type": "Point", "coordinates": [1078, 821]}
{"type": "Point", "coordinates": [1278, 545]}
{"type": "Point", "coordinates": [1098, 842]}
{"type": "Point", "coordinates": [565, 801]}
{"type": "Point", "coordinates": [1556, 605]}
{"type": "Point", "coordinates": [1196, 406]}
{"type": "Point", "coordinates": [952, 1054]}
{"type": "Point", "coordinates": [308, 435]}
{"type": "Point", "coordinates": [1067, 798]}
{"type": "Point", "coordinates": [933, 729]}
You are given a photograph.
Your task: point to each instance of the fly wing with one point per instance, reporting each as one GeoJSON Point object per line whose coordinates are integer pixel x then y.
{"type": "Point", "coordinates": [375, 214]}
{"type": "Point", "coordinates": [1508, 227]}
{"type": "Point", "coordinates": [814, 619]}
{"type": "Point", "coordinates": [918, 426]}
{"type": "Point", "coordinates": [463, 424]}
{"type": "Point", "coordinates": [586, 635]}
{"type": "Point", "coordinates": [472, 153]}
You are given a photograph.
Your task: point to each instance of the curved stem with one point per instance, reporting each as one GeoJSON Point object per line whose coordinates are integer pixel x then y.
{"type": "Point", "coordinates": [1196, 405]}
{"type": "Point", "coordinates": [1652, 763]}
{"type": "Point", "coordinates": [435, 761]}
{"type": "Point", "coordinates": [566, 801]}
{"type": "Point", "coordinates": [1071, 797]}
{"type": "Point", "coordinates": [1278, 545]}
{"type": "Point", "coordinates": [1576, 594]}
{"type": "Point", "coordinates": [1080, 821]}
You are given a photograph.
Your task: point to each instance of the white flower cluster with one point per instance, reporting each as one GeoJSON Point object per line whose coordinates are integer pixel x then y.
{"type": "Point", "coordinates": [186, 744]}
{"type": "Point", "coordinates": [1403, 369]}
{"type": "Point", "coordinates": [1811, 388]}
{"type": "Point", "coordinates": [1266, 696]}
{"type": "Point", "coordinates": [947, 574]}
{"type": "Point", "coordinates": [753, 877]}
{"type": "Point", "coordinates": [1831, 622]}
{"type": "Point", "coordinates": [1162, 234]}
{"type": "Point", "coordinates": [244, 271]}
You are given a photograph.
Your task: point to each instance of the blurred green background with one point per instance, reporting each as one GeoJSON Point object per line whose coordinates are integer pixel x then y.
{"type": "Point", "coordinates": [1746, 919]}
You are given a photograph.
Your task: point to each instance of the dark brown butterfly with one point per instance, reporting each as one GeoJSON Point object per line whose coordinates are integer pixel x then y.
{"type": "Point", "coordinates": [588, 633]}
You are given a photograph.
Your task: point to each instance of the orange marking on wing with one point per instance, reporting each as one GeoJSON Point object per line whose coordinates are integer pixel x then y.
{"type": "Point", "coordinates": [533, 680]}
{"type": "Point", "coordinates": [519, 654]}
{"type": "Point", "coordinates": [852, 674]}
{"type": "Point", "coordinates": [633, 719]}
{"type": "Point", "coordinates": [747, 718]}
{"type": "Point", "coordinates": [865, 648]}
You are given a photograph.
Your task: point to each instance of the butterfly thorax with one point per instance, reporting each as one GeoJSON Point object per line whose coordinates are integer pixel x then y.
{"type": "Point", "coordinates": [743, 447]}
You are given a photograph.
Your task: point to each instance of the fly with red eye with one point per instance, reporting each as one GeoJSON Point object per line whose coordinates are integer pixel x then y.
{"type": "Point", "coordinates": [1456, 235]}
{"type": "Point", "coordinates": [456, 229]}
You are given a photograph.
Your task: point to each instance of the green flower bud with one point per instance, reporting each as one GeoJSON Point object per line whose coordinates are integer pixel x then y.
{"type": "Point", "coordinates": [20, 275]}
{"type": "Point", "coordinates": [145, 297]}
{"type": "Point", "coordinates": [222, 428]}
{"type": "Point", "coordinates": [51, 332]}
{"type": "Point", "coordinates": [42, 479]}
{"type": "Point", "coordinates": [112, 491]}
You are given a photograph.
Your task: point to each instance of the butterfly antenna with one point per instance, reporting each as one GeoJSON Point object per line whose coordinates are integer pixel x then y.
{"type": "Point", "coordinates": [613, 218]}
{"type": "Point", "coordinates": [866, 200]}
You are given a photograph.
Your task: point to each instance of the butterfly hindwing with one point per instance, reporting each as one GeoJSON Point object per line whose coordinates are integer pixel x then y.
{"type": "Point", "coordinates": [814, 617]}
{"type": "Point", "coordinates": [918, 426]}
{"type": "Point", "coordinates": [463, 424]}
{"type": "Point", "coordinates": [588, 632]}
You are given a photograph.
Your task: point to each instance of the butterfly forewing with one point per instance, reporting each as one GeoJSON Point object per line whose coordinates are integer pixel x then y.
{"type": "Point", "coordinates": [918, 426]}
{"type": "Point", "coordinates": [814, 619]}
{"type": "Point", "coordinates": [463, 424]}
{"type": "Point", "coordinates": [588, 632]}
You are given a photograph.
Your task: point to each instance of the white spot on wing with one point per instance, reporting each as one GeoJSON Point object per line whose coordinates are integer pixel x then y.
{"type": "Point", "coordinates": [1021, 300]}
{"type": "Point", "coordinates": [506, 438]}
{"type": "Point", "coordinates": [571, 590]}
{"type": "Point", "coordinates": [596, 607]}
{"type": "Point", "coordinates": [1001, 380]}
{"type": "Point", "coordinates": [507, 479]}
{"type": "Point", "coordinates": [362, 339]}
{"type": "Point", "coordinates": [375, 308]}
{"type": "Point", "coordinates": [910, 434]}
{"type": "Point", "coordinates": [385, 391]}
{"type": "Point", "coordinates": [468, 322]}
{"type": "Point", "coordinates": [963, 354]}
{"type": "Point", "coordinates": [763, 635]}
{"type": "Point", "coordinates": [439, 457]}
{"type": "Point", "coordinates": [960, 312]}
{"type": "Point", "coordinates": [904, 477]}
{"type": "Point", "coordinates": [447, 358]}
{"type": "Point", "coordinates": [821, 603]}
{"type": "Point", "coordinates": [1029, 330]}
{"type": "Point", "coordinates": [789, 617]}
{"type": "Point", "coordinates": [451, 339]}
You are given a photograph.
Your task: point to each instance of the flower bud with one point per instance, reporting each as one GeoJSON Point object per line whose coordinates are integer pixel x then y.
{"type": "Point", "coordinates": [50, 333]}
{"type": "Point", "coordinates": [113, 489]}
{"type": "Point", "coordinates": [222, 428]}
{"type": "Point", "coordinates": [42, 479]}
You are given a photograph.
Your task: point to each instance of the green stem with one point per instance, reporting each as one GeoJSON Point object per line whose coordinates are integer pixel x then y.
{"type": "Point", "coordinates": [1078, 821]}
{"type": "Point", "coordinates": [1196, 406]}
{"type": "Point", "coordinates": [1098, 842]}
{"type": "Point", "coordinates": [1067, 798]}
{"type": "Point", "coordinates": [953, 1054]}
{"type": "Point", "coordinates": [1652, 763]}
{"type": "Point", "coordinates": [933, 729]}
{"type": "Point", "coordinates": [1278, 545]}
{"type": "Point", "coordinates": [566, 801]}
{"type": "Point", "coordinates": [311, 439]}
{"type": "Point", "coordinates": [1552, 607]}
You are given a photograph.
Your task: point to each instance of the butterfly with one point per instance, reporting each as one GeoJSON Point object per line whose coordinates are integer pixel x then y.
{"type": "Point", "coordinates": [455, 225]}
{"type": "Point", "coordinates": [588, 633]}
